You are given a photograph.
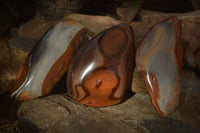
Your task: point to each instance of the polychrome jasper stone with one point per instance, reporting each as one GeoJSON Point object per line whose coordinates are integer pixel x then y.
{"type": "Point", "coordinates": [102, 70]}
{"type": "Point", "coordinates": [159, 61]}
{"type": "Point", "coordinates": [48, 61]}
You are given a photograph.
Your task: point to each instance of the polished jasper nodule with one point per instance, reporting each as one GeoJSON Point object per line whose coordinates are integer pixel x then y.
{"type": "Point", "coordinates": [101, 71]}
{"type": "Point", "coordinates": [48, 61]}
{"type": "Point", "coordinates": [159, 61]}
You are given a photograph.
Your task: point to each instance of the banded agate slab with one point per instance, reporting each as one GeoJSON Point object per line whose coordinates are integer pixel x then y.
{"type": "Point", "coordinates": [102, 70]}
{"type": "Point", "coordinates": [48, 61]}
{"type": "Point", "coordinates": [159, 62]}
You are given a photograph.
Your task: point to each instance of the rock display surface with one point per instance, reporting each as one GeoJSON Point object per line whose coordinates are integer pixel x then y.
{"type": "Point", "coordinates": [59, 113]}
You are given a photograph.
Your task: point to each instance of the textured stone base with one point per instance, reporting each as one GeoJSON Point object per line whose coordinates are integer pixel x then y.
{"type": "Point", "coordinates": [58, 113]}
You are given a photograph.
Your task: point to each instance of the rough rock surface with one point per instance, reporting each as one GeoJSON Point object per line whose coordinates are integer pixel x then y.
{"type": "Point", "coordinates": [35, 28]}
{"type": "Point", "coordinates": [96, 24]}
{"type": "Point", "coordinates": [140, 29]}
{"type": "Point", "coordinates": [190, 100]}
{"type": "Point", "coordinates": [58, 113]}
{"type": "Point", "coordinates": [30, 34]}
{"type": "Point", "coordinates": [138, 84]}
{"type": "Point", "coordinates": [5, 74]}
{"type": "Point", "coordinates": [55, 9]}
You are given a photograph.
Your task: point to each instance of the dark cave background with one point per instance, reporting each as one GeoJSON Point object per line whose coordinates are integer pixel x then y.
{"type": "Point", "coordinates": [15, 12]}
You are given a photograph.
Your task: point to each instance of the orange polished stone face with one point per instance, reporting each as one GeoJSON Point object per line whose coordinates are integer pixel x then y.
{"type": "Point", "coordinates": [100, 85]}
{"type": "Point", "coordinates": [102, 70]}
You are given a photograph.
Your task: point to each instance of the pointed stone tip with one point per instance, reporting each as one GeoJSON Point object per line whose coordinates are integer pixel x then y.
{"type": "Point", "coordinates": [25, 95]}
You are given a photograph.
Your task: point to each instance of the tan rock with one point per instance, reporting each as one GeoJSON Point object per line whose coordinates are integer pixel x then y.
{"type": "Point", "coordinates": [4, 52]}
{"type": "Point", "coordinates": [5, 59]}
{"type": "Point", "coordinates": [49, 9]}
{"type": "Point", "coordinates": [138, 84]}
{"type": "Point", "coordinates": [23, 44]}
{"type": "Point", "coordinates": [35, 28]}
{"type": "Point", "coordinates": [152, 17]}
{"type": "Point", "coordinates": [94, 23]}
{"type": "Point", "coordinates": [58, 113]}
{"type": "Point", "coordinates": [7, 68]}
{"type": "Point", "coordinates": [140, 29]}
{"type": "Point", "coordinates": [190, 100]}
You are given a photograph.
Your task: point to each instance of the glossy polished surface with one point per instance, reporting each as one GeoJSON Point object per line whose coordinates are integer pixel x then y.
{"type": "Point", "coordinates": [159, 61]}
{"type": "Point", "coordinates": [102, 70]}
{"type": "Point", "coordinates": [49, 61]}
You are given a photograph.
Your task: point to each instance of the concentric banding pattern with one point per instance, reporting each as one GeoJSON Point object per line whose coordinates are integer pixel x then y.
{"type": "Point", "coordinates": [101, 71]}
{"type": "Point", "coordinates": [47, 53]}
{"type": "Point", "coordinates": [160, 65]}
